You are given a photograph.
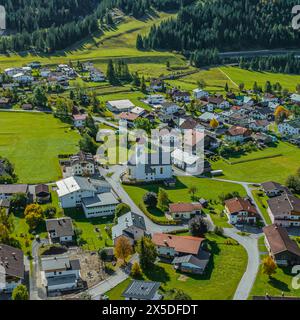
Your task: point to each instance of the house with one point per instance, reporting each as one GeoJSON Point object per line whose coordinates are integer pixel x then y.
{"type": "Point", "coordinates": [237, 119]}
{"type": "Point", "coordinates": [188, 162]}
{"type": "Point", "coordinates": [190, 124]}
{"type": "Point", "coordinates": [262, 113]}
{"type": "Point", "coordinates": [59, 273]}
{"type": "Point", "coordinates": [100, 205]}
{"type": "Point", "coordinates": [281, 247]}
{"type": "Point", "coordinates": [273, 189]}
{"type": "Point", "coordinates": [119, 106]}
{"type": "Point", "coordinates": [82, 164]}
{"type": "Point", "coordinates": [269, 97]}
{"type": "Point", "coordinates": [238, 134]}
{"type": "Point", "coordinates": [142, 290]}
{"type": "Point", "coordinates": [181, 96]}
{"type": "Point", "coordinates": [289, 128]}
{"type": "Point", "coordinates": [295, 98]}
{"type": "Point", "coordinates": [130, 225]}
{"type": "Point", "coordinates": [218, 102]}
{"type": "Point", "coordinates": [240, 211]}
{"type": "Point", "coordinates": [148, 166]}
{"type": "Point", "coordinates": [5, 205]}
{"type": "Point", "coordinates": [156, 85]}
{"type": "Point", "coordinates": [138, 111]}
{"type": "Point", "coordinates": [208, 116]}
{"type": "Point", "coordinates": [263, 138]}
{"type": "Point", "coordinates": [200, 93]}
{"type": "Point", "coordinates": [96, 75]}
{"type": "Point", "coordinates": [72, 190]}
{"type": "Point", "coordinates": [27, 106]}
{"type": "Point", "coordinates": [42, 193]}
{"type": "Point", "coordinates": [129, 117]}
{"type": "Point", "coordinates": [179, 249]}
{"type": "Point", "coordinates": [259, 125]}
{"type": "Point", "coordinates": [4, 103]}
{"type": "Point", "coordinates": [12, 71]}
{"type": "Point", "coordinates": [45, 73]}
{"type": "Point", "coordinates": [60, 230]}
{"type": "Point", "coordinates": [22, 78]}
{"type": "Point", "coordinates": [155, 99]}
{"type": "Point", "coordinates": [12, 268]}
{"type": "Point", "coordinates": [284, 210]}
{"type": "Point", "coordinates": [79, 120]}
{"type": "Point", "coordinates": [8, 190]}
{"type": "Point", "coordinates": [184, 211]}
{"type": "Point", "coordinates": [169, 108]}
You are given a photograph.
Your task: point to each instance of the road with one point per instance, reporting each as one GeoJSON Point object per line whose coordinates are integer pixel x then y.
{"type": "Point", "coordinates": [255, 53]}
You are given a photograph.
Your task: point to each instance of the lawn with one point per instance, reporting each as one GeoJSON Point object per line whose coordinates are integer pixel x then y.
{"type": "Point", "coordinates": [32, 143]}
{"type": "Point", "coordinates": [208, 189]}
{"type": "Point", "coordinates": [277, 169]}
{"type": "Point", "coordinates": [227, 265]}
{"type": "Point", "coordinates": [261, 201]}
{"type": "Point", "coordinates": [94, 235]}
{"type": "Point", "coordinates": [249, 77]}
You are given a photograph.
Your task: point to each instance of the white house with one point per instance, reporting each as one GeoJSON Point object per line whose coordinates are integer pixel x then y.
{"type": "Point", "coordinates": [217, 102]}
{"type": "Point", "coordinates": [11, 268]}
{"type": "Point", "coordinates": [60, 230]}
{"type": "Point", "coordinates": [187, 162]}
{"type": "Point", "coordinates": [295, 98]}
{"type": "Point", "coordinates": [72, 190]}
{"type": "Point", "coordinates": [12, 71]}
{"type": "Point", "coordinates": [8, 190]}
{"type": "Point", "coordinates": [269, 97]}
{"type": "Point", "coordinates": [149, 166]}
{"type": "Point", "coordinates": [289, 128]}
{"type": "Point", "coordinates": [79, 120]}
{"type": "Point", "coordinates": [119, 106]}
{"type": "Point", "coordinates": [138, 111]}
{"type": "Point", "coordinates": [97, 76]}
{"type": "Point", "coordinates": [169, 108]}
{"type": "Point", "coordinates": [156, 99]}
{"type": "Point", "coordinates": [200, 93]}
{"type": "Point", "coordinates": [59, 273]}
{"type": "Point", "coordinates": [82, 163]}
{"type": "Point", "coordinates": [22, 78]}
{"type": "Point", "coordinates": [240, 211]}
{"type": "Point", "coordinates": [45, 73]}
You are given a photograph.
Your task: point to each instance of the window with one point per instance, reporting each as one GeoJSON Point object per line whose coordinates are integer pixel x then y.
{"type": "Point", "coordinates": [161, 170]}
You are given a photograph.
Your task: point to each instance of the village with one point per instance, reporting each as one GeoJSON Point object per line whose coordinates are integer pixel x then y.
{"type": "Point", "coordinates": [149, 227]}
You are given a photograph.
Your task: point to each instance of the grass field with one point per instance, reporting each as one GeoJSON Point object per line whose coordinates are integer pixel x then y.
{"type": "Point", "coordinates": [261, 201]}
{"type": "Point", "coordinates": [224, 272]}
{"type": "Point", "coordinates": [207, 189]}
{"type": "Point", "coordinates": [32, 143]}
{"type": "Point", "coordinates": [277, 169]}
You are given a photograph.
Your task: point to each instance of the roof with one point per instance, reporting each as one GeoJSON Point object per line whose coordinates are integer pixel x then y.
{"type": "Point", "coordinates": [62, 227]}
{"type": "Point", "coordinates": [12, 259]}
{"type": "Point", "coordinates": [295, 97]}
{"type": "Point", "coordinates": [144, 290]}
{"type": "Point", "coordinates": [59, 280]}
{"type": "Point", "coordinates": [189, 123]}
{"type": "Point", "coordinates": [82, 157]}
{"type": "Point", "coordinates": [284, 204]}
{"type": "Point", "coordinates": [207, 116]}
{"type": "Point", "coordinates": [185, 157]}
{"type": "Point", "coordinates": [13, 188]}
{"type": "Point", "coordinates": [59, 262]}
{"type": "Point", "coordinates": [151, 159]}
{"type": "Point", "coordinates": [279, 240]}
{"type": "Point", "coordinates": [78, 117]}
{"type": "Point", "coordinates": [4, 203]}
{"type": "Point", "coordinates": [184, 207]}
{"type": "Point", "coordinates": [138, 110]}
{"type": "Point", "coordinates": [126, 221]}
{"type": "Point", "coordinates": [201, 261]}
{"type": "Point", "coordinates": [238, 131]}
{"type": "Point", "coordinates": [128, 116]}
{"type": "Point", "coordinates": [181, 244]}
{"type": "Point", "coordinates": [215, 100]}
{"type": "Point", "coordinates": [121, 104]}
{"type": "Point", "coordinates": [271, 185]}
{"type": "Point", "coordinates": [99, 200]}
{"type": "Point", "coordinates": [42, 188]}
{"type": "Point", "coordinates": [235, 205]}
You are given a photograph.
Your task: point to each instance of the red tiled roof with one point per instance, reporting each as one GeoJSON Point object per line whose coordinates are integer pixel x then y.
{"type": "Point", "coordinates": [182, 244]}
{"type": "Point", "coordinates": [237, 131]}
{"type": "Point", "coordinates": [184, 207]}
{"type": "Point", "coordinates": [79, 116]}
{"type": "Point", "coordinates": [238, 204]}
{"type": "Point", "coordinates": [128, 116]}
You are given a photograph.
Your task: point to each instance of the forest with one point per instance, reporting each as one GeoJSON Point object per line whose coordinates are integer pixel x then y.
{"type": "Point", "coordinates": [226, 25]}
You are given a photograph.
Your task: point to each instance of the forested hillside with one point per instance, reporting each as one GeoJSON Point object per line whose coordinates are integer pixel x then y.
{"type": "Point", "coordinates": [227, 25]}
{"type": "Point", "coordinates": [50, 25]}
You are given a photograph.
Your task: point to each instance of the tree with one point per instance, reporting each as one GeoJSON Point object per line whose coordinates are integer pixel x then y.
{"type": "Point", "coordinates": [242, 86]}
{"type": "Point", "coordinates": [268, 87]}
{"type": "Point", "coordinates": [20, 293]}
{"type": "Point", "coordinates": [150, 199]}
{"type": "Point", "coordinates": [110, 74]}
{"type": "Point", "coordinates": [123, 248]}
{"type": "Point", "coordinates": [39, 98]}
{"type": "Point", "coordinates": [269, 266]}
{"type": "Point", "coordinates": [87, 144]}
{"type": "Point", "coordinates": [280, 113]}
{"type": "Point", "coordinates": [201, 84]}
{"type": "Point", "coordinates": [139, 42]}
{"type": "Point", "coordinates": [193, 190]}
{"type": "Point", "coordinates": [6, 226]}
{"type": "Point", "coordinates": [122, 209]}
{"type": "Point", "coordinates": [50, 212]}
{"type": "Point", "coordinates": [226, 88]}
{"type": "Point", "coordinates": [33, 215]}
{"type": "Point", "coordinates": [198, 227]}
{"type": "Point", "coordinates": [147, 252]}
{"type": "Point", "coordinates": [18, 201]}
{"type": "Point", "coordinates": [143, 123]}
{"type": "Point", "coordinates": [293, 183]}
{"type": "Point", "coordinates": [136, 271]}
{"type": "Point", "coordinates": [178, 294]}
{"type": "Point", "coordinates": [214, 123]}
{"type": "Point", "coordinates": [162, 200]}
{"type": "Point", "coordinates": [91, 126]}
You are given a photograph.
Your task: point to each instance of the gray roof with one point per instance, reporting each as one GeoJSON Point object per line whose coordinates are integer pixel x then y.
{"type": "Point", "coordinates": [59, 262]}
{"type": "Point", "coordinates": [13, 188]}
{"type": "Point", "coordinates": [4, 203]}
{"type": "Point", "coordinates": [271, 185]}
{"type": "Point", "coordinates": [63, 227]}
{"type": "Point", "coordinates": [58, 280]}
{"type": "Point", "coordinates": [201, 261]}
{"type": "Point", "coordinates": [128, 220]}
{"type": "Point", "coordinates": [284, 204]}
{"type": "Point", "coordinates": [144, 290]}
{"type": "Point", "coordinates": [101, 199]}
{"type": "Point", "coordinates": [82, 157]}
{"type": "Point", "coordinates": [12, 259]}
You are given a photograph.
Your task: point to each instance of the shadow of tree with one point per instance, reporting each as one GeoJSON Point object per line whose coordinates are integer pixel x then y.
{"type": "Point", "coordinates": [278, 284]}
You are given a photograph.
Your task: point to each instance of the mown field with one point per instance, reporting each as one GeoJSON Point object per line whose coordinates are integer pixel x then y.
{"type": "Point", "coordinates": [275, 169]}
{"type": "Point", "coordinates": [32, 143]}
{"type": "Point", "coordinates": [223, 274]}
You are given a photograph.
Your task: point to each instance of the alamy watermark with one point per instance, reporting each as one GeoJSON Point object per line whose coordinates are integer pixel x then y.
{"type": "Point", "coordinates": [296, 18]}
{"type": "Point", "coordinates": [2, 18]}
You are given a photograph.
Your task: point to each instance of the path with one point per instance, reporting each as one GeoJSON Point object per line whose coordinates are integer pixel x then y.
{"type": "Point", "coordinates": [227, 76]}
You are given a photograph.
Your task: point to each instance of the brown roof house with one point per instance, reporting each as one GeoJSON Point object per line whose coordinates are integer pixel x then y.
{"type": "Point", "coordinates": [11, 267]}
{"type": "Point", "coordinates": [274, 189]}
{"type": "Point", "coordinates": [8, 190]}
{"type": "Point", "coordinates": [184, 211]}
{"type": "Point", "coordinates": [240, 211]}
{"type": "Point", "coordinates": [60, 230]}
{"type": "Point", "coordinates": [42, 193]}
{"type": "Point", "coordinates": [284, 210]}
{"type": "Point", "coordinates": [282, 248]}
{"type": "Point", "coordinates": [238, 134]}
{"type": "Point", "coordinates": [186, 253]}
